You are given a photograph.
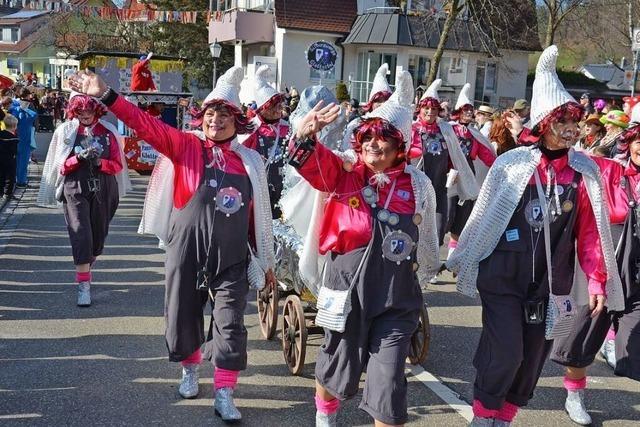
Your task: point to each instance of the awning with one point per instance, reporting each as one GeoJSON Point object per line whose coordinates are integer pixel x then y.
{"type": "Point", "coordinates": [380, 28]}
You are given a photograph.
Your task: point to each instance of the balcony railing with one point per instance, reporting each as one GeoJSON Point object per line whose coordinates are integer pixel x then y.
{"type": "Point", "coordinates": [261, 5]}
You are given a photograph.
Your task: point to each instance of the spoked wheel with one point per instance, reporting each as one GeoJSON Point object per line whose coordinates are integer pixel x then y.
{"type": "Point", "coordinates": [268, 310]}
{"type": "Point", "coordinates": [420, 339]}
{"type": "Point", "coordinates": [294, 334]}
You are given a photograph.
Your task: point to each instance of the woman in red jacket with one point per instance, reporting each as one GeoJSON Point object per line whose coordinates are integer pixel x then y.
{"type": "Point", "coordinates": [378, 233]}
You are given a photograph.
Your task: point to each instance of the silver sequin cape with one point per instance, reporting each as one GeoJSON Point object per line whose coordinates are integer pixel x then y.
{"type": "Point", "coordinates": [158, 202]}
{"type": "Point", "coordinates": [60, 147]}
{"type": "Point", "coordinates": [498, 199]}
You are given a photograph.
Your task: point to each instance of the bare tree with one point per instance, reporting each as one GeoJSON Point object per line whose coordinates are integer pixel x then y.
{"type": "Point", "coordinates": [453, 8]}
{"type": "Point", "coordinates": [556, 12]}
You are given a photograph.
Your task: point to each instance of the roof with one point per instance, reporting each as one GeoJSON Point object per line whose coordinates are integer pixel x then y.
{"type": "Point", "coordinates": [136, 55]}
{"type": "Point", "coordinates": [424, 30]}
{"type": "Point", "coordinates": [327, 16]}
{"type": "Point", "coordinates": [26, 14]}
{"type": "Point", "coordinates": [24, 43]}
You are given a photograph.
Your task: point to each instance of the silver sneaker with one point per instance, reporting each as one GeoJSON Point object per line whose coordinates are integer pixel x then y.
{"type": "Point", "coordinates": [608, 351]}
{"type": "Point", "coordinates": [224, 406]}
{"type": "Point", "coordinates": [482, 422]}
{"type": "Point", "coordinates": [324, 420]}
{"type": "Point", "coordinates": [574, 406]}
{"type": "Point", "coordinates": [84, 294]}
{"type": "Point", "coordinates": [189, 385]}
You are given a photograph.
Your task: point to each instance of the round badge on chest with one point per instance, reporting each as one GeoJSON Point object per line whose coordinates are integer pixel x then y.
{"type": "Point", "coordinates": [229, 200]}
{"type": "Point", "coordinates": [567, 206]}
{"type": "Point", "coordinates": [397, 246]}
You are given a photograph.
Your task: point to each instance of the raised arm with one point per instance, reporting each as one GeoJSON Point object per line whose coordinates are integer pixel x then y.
{"type": "Point", "coordinates": [164, 138]}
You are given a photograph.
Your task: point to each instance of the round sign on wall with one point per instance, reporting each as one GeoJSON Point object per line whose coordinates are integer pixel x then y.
{"type": "Point", "coordinates": [322, 56]}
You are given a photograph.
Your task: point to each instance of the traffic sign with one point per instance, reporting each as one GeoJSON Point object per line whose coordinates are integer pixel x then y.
{"type": "Point", "coordinates": [322, 56]}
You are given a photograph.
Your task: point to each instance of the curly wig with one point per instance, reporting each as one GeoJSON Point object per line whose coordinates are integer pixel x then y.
{"type": "Point", "coordinates": [243, 124]}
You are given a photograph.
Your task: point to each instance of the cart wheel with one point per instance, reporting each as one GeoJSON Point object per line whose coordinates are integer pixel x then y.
{"type": "Point", "coordinates": [268, 310]}
{"type": "Point", "coordinates": [420, 339]}
{"type": "Point", "coordinates": [294, 334]}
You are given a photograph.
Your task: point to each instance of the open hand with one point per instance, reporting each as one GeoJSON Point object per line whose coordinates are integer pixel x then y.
{"type": "Point", "coordinates": [88, 83]}
{"type": "Point", "coordinates": [596, 304]}
{"type": "Point", "coordinates": [317, 119]}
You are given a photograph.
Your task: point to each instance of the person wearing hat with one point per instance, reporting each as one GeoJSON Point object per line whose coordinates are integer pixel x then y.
{"type": "Point", "coordinates": [585, 102]}
{"type": "Point", "coordinates": [378, 237]}
{"type": "Point", "coordinates": [483, 118]}
{"type": "Point", "coordinates": [480, 155]}
{"type": "Point", "coordinates": [593, 131]}
{"type": "Point", "coordinates": [218, 207]}
{"type": "Point", "coordinates": [523, 109]}
{"type": "Point", "coordinates": [141, 78]}
{"type": "Point", "coordinates": [577, 351]}
{"type": "Point", "coordinates": [615, 122]}
{"type": "Point", "coordinates": [436, 144]}
{"type": "Point", "coordinates": [353, 109]}
{"type": "Point", "coordinates": [380, 92]}
{"type": "Point", "coordinates": [85, 172]}
{"type": "Point", "coordinates": [269, 137]}
{"type": "Point", "coordinates": [540, 205]}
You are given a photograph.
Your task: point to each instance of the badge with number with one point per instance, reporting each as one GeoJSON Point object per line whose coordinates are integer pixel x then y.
{"type": "Point", "coordinates": [397, 246]}
{"type": "Point", "coordinates": [229, 200]}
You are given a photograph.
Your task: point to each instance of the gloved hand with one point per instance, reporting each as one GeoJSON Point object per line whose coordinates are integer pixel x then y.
{"type": "Point", "coordinates": [88, 153]}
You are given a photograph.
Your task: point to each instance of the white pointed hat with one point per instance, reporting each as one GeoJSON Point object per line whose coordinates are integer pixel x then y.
{"type": "Point", "coordinates": [380, 83]}
{"type": "Point", "coordinates": [397, 110]}
{"type": "Point", "coordinates": [432, 90]}
{"type": "Point", "coordinates": [465, 97]}
{"type": "Point", "coordinates": [262, 90]}
{"type": "Point", "coordinates": [228, 87]}
{"type": "Point", "coordinates": [635, 114]}
{"type": "Point", "coordinates": [548, 91]}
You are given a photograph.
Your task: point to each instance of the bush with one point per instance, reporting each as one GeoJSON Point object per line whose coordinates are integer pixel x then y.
{"type": "Point", "coordinates": [342, 94]}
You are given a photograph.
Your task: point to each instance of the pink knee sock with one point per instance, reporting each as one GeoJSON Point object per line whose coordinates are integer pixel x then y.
{"type": "Point", "coordinates": [480, 411]}
{"type": "Point", "coordinates": [611, 335]}
{"type": "Point", "coordinates": [194, 359]}
{"type": "Point", "coordinates": [327, 407]}
{"type": "Point", "coordinates": [225, 378]}
{"type": "Point", "coordinates": [508, 412]}
{"type": "Point", "coordinates": [83, 277]}
{"type": "Point", "coordinates": [575, 385]}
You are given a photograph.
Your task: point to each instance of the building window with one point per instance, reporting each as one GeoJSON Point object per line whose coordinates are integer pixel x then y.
{"type": "Point", "coordinates": [368, 64]}
{"type": "Point", "coordinates": [486, 82]}
{"type": "Point", "coordinates": [456, 65]}
{"type": "Point", "coordinates": [15, 35]}
{"type": "Point", "coordinates": [419, 69]}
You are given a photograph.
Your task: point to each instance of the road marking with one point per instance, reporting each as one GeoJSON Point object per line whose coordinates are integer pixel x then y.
{"type": "Point", "coordinates": [449, 396]}
{"type": "Point", "coordinates": [19, 416]}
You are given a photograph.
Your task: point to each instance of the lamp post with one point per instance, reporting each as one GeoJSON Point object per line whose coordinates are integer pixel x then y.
{"type": "Point", "coordinates": [215, 50]}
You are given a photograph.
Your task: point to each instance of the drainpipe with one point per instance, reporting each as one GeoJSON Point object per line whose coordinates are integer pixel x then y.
{"type": "Point", "coordinates": [339, 44]}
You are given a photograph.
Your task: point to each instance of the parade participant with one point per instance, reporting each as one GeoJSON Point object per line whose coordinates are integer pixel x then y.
{"type": "Point", "coordinates": [141, 77]}
{"type": "Point", "coordinates": [86, 172]}
{"type": "Point", "coordinates": [378, 233]}
{"type": "Point", "coordinates": [217, 181]}
{"type": "Point", "coordinates": [615, 121]}
{"type": "Point", "coordinates": [437, 145]}
{"type": "Point", "coordinates": [593, 132]}
{"type": "Point", "coordinates": [480, 156]}
{"type": "Point", "coordinates": [538, 207]}
{"type": "Point", "coordinates": [484, 119]}
{"type": "Point", "coordinates": [380, 93]}
{"type": "Point", "coordinates": [270, 135]}
{"type": "Point", "coordinates": [26, 120]}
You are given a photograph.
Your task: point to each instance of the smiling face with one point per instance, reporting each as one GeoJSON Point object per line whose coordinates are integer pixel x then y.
{"type": "Point", "coordinates": [634, 151]}
{"type": "Point", "coordinates": [378, 154]}
{"type": "Point", "coordinates": [591, 129]}
{"type": "Point", "coordinates": [481, 117]}
{"type": "Point", "coordinates": [429, 114]}
{"type": "Point", "coordinates": [86, 117]}
{"type": "Point", "coordinates": [466, 116]}
{"type": "Point", "coordinates": [218, 123]}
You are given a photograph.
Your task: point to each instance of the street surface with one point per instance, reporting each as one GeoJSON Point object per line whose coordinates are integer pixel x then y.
{"type": "Point", "coordinates": [61, 365]}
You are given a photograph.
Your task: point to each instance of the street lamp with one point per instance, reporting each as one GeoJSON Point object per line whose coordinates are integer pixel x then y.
{"type": "Point", "coordinates": [215, 50]}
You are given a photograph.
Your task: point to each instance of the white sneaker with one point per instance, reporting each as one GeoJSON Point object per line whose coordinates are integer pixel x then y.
{"type": "Point", "coordinates": [189, 387]}
{"type": "Point", "coordinates": [434, 280]}
{"type": "Point", "coordinates": [574, 406]}
{"type": "Point", "coordinates": [84, 294]}
{"type": "Point", "coordinates": [608, 351]}
{"type": "Point", "coordinates": [324, 420]}
{"type": "Point", "coordinates": [224, 406]}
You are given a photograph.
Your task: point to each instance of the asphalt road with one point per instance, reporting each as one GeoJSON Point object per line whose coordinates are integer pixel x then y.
{"type": "Point", "coordinates": [106, 365]}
